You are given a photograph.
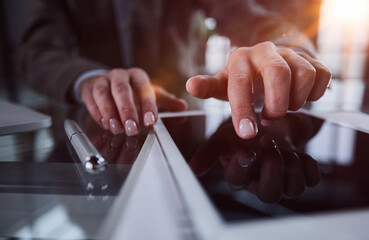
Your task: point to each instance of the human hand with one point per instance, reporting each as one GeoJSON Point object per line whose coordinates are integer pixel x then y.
{"type": "Point", "coordinates": [111, 100]}
{"type": "Point", "coordinates": [287, 78]}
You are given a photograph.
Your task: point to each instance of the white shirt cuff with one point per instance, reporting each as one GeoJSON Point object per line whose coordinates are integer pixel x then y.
{"type": "Point", "coordinates": [83, 77]}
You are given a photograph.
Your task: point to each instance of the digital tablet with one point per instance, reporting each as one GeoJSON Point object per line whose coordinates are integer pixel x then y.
{"type": "Point", "coordinates": [302, 177]}
{"type": "Point", "coordinates": [56, 198]}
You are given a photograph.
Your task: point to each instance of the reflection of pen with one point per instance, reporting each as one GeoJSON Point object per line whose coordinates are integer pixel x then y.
{"type": "Point", "coordinates": [91, 159]}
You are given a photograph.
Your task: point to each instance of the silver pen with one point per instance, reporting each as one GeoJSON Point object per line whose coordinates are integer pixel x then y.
{"type": "Point", "coordinates": [87, 153]}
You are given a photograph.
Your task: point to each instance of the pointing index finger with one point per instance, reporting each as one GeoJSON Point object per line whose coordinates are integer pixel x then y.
{"type": "Point", "coordinates": [241, 93]}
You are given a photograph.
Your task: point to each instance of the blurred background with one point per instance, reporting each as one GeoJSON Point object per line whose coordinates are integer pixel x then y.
{"type": "Point", "coordinates": [339, 28]}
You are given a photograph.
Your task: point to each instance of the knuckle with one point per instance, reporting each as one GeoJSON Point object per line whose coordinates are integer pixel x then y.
{"type": "Point", "coordinates": [136, 71]}
{"type": "Point", "coordinates": [265, 45]}
{"type": "Point", "coordinates": [142, 86]}
{"type": "Point", "coordinates": [239, 78]}
{"type": "Point", "coordinates": [116, 72]}
{"type": "Point", "coordinates": [278, 68]}
{"type": "Point", "coordinates": [126, 111]}
{"type": "Point", "coordinates": [241, 51]}
{"type": "Point", "coordinates": [100, 89]}
{"type": "Point", "coordinates": [286, 51]}
{"type": "Point", "coordinates": [306, 73]}
{"type": "Point", "coordinates": [120, 86]}
{"type": "Point", "coordinates": [303, 55]}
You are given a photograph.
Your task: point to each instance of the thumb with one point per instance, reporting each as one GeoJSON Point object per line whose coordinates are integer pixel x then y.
{"type": "Point", "coordinates": [204, 86]}
{"type": "Point", "coordinates": [168, 101]}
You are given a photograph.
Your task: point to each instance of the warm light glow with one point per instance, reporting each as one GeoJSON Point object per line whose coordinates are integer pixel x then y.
{"type": "Point", "coordinates": [351, 10]}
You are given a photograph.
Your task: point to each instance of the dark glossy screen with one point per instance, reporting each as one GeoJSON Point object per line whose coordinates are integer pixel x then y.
{"type": "Point", "coordinates": [56, 169]}
{"type": "Point", "coordinates": [45, 193]}
{"type": "Point", "coordinates": [300, 165]}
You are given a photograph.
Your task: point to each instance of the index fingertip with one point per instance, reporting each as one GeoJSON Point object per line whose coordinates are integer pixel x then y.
{"type": "Point", "coordinates": [247, 128]}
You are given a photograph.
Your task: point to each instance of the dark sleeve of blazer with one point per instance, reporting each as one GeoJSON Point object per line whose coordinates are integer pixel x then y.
{"type": "Point", "coordinates": [252, 23]}
{"type": "Point", "coordinates": [52, 51]}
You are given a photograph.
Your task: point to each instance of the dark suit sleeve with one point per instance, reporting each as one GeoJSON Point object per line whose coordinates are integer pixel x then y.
{"type": "Point", "coordinates": [48, 51]}
{"type": "Point", "coordinates": [247, 23]}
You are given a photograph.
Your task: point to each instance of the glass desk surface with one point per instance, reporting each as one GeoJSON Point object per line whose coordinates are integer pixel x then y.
{"type": "Point", "coordinates": [301, 165]}
{"type": "Point", "coordinates": [44, 190]}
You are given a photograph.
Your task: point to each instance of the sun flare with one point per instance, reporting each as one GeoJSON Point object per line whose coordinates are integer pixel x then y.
{"type": "Point", "coordinates": [353, 10]}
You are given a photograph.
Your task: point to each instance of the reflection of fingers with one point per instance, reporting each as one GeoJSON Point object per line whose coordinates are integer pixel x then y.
{"type": "Point", "coordinates": [241, 93]}
{"type": "Point", "coordinates": [168, 101]}
{"type": "Point", "coordinates": [126, 154]}
{"type": "Point", "coordinates": [294, 182]}
{"type": "Point", "coordinates": [98, 140]}
{"type": "Point", "coordinates": [303, 78]}
{"type": "Point", "coordinates": [132, 143]}
{"type": "Point", "coordinates": [238, 171]}
{"type": "Point", "coordinates": [203, 86]}
{"type": "Point", "coordinates": [121, 157]}
{"type": "Point", "coordinates": [271, 172]}
{"type": "Point", "coordinates": [322, 80]}
{"type": "Point", "coordinates": [311, 170]}
{"type": "Point", "coordinates": [124, 99]}
{"type": "Point", "coordinates": [146, 95]}
{"type": "Point", "coordinates": [104, 100]}
{"type": "Point", "coordinates": [105, 150]}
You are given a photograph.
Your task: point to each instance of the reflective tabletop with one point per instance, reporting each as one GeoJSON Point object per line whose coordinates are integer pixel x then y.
{"type": "Point", "coordinates": [44, 190]}
{"type": "Point", "coordinates": [300, 166]}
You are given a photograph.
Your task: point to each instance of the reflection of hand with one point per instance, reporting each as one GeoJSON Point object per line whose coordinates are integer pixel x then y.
{"type": "Point", "coordinates": [116, 149]}
{"type": "Point", "coordinates": [289, 79]}
{"type": "Point", "coordinates": [110, 99]}
{"type": "Point", "coordinates": [257, 165]}
{"type": "Point", "coordinates": [272, 172]}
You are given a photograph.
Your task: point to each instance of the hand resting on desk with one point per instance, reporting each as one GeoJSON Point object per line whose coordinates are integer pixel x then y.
{"type": "Point", "coordinates": [116, 99]}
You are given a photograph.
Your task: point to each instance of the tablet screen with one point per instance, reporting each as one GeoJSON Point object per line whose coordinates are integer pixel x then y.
{"type": "Point", "coordinates": [300, 165]}
{"type": "Point", "coordinates": [60, 172]}
{"type": "Point", "coordinates": [46, 193]}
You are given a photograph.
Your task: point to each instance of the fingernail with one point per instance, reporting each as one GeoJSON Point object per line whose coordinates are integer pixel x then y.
{"type": "Point", "coordinates": [130, 127]}
{"type": "Point", "coordinates": [104, 123]}
{"type": "Point", "coordinates": [149, 119]}
{"type": "Point", "coordinates": [266, 123]}
{"type": "Point", "coordinates": [246, 160]}
{"type": "Point", "coordinates": [247, 128]}
{"type": "Point", "coordinates": [115, 126]}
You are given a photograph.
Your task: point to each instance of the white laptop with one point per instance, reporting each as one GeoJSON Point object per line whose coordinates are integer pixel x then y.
{"type": "Point", "coordinates": [15, 118]}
